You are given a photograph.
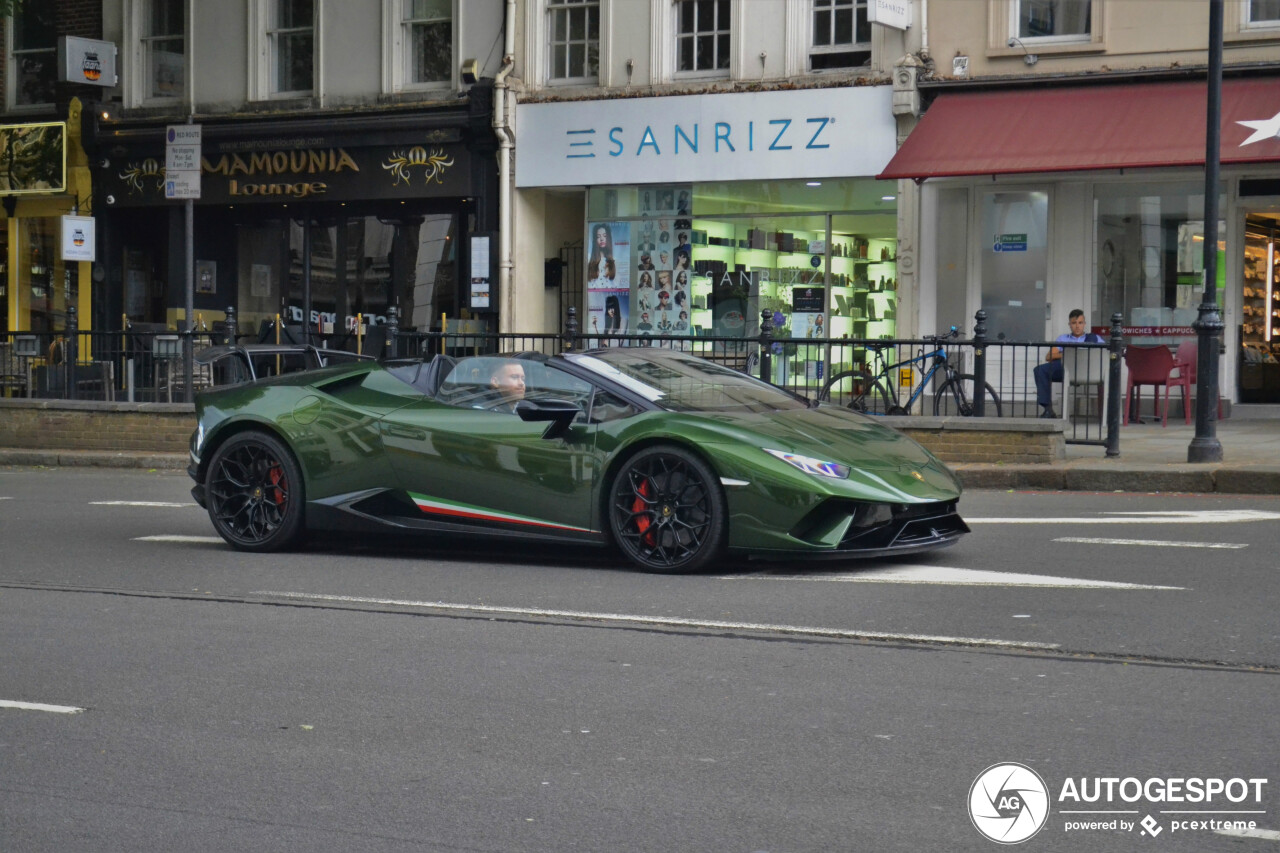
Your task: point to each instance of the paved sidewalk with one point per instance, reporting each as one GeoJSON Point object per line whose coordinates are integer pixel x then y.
{"type": "Point", "coordinates": [1152, 459]}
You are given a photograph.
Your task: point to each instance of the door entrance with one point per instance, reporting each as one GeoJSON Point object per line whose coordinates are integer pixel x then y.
{"type": "Point", "coordinates": [1015, 264]}
{"type": "Point", "coordinates": [1259, 373]}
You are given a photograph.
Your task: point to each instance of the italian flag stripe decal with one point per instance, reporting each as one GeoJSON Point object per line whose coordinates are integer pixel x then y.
{"type": "Point", "coordinates": [434, 506]}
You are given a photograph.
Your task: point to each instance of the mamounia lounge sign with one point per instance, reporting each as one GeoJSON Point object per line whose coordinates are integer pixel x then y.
{"type": "Point", "coordinates": [333, 173]}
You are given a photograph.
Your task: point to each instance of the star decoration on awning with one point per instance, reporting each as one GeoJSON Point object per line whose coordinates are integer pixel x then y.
{"type": "Point", "coordinates": [1265, 129]}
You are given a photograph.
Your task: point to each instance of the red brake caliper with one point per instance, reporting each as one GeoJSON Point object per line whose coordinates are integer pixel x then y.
{"type": "Point", "coordinates": [277, 480]}
{"type": "Point", "coordinates": [643, 524]}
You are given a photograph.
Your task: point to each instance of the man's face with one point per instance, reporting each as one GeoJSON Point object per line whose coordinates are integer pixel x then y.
{"type": "Point", "coordinates": [1077, 326]}
{"type": "Point", "coordinates": [509, 380]}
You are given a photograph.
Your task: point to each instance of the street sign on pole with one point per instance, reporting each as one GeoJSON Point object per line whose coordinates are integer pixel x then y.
{"type": "Point", "coordinates": [182, 161]}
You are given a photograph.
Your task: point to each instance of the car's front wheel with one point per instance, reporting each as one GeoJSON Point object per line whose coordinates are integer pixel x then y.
{"type": "Point", "coordinates": [254, 493]}
{"type": "Point", "coordinates": [666, 511]}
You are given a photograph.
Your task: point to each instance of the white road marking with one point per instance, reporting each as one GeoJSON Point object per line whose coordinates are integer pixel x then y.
{"type": "Point", "coordinates": [1155, 543]}
{"type": "Point", "coordinates": [942, 575]}
{"type": "Point", "coordinates": [663, 621]}
{"type": "Point", "coordinates": [1208, 516]}
{"type": "Point", "coordinates": [142, 503]}
{"type": "Point", "coordinates": [1264, 834]}
{"type": "Point", "coordinates": [36, 706]}
{"type": "Point", "coordinates": [6, 499]}
{"type": "Point", "coordinates": [177, 538]}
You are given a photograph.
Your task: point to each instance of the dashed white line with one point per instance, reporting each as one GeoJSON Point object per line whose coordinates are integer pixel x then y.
{"type": "Point", "coordinates": [660, 621]}
{"type": "Point", "coordinates": [1154, 543]}
{"type": "Point", "coordinates": [1208, 516]}
{"type": "Point", "coordinates": [37, 706]}
{"type": "Point", "coordinates": [202, 540]}
{"type": "Point", "coordinates": [942, 575]}
{"type": "Point", "coordinates": [1263, 834]}
{"type": "Point", "coordinates": [143, 503]}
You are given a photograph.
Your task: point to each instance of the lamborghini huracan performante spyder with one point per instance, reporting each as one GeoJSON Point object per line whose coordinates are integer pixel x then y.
{"type": "Point", "coordinates": [674, 459]}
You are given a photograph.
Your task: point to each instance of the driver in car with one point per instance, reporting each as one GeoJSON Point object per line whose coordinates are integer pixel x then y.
{"type": "Point", "coordinates": [507, 382]}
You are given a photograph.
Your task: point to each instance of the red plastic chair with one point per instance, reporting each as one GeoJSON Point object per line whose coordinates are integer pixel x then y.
{"type": "Point", "coordinates": [1147, 366]}
{"type": "Point", "coordinates": [1186, 363]}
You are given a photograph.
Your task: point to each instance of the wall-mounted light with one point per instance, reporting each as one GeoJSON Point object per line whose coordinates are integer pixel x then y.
{"type": "Point", "coordinates": [470, 72]}
{"type": "Point", "coordinates": [1027, 56]}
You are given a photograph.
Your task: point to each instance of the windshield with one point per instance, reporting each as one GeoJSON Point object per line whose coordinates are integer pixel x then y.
{"type": "Point", "coordinates": [683, 383]}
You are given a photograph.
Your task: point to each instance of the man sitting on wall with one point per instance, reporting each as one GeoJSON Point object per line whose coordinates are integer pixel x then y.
{"type": "Point", "coordinates": [1051, 371]}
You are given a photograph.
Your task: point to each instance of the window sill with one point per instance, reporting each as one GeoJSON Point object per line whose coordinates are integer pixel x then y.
{"type": "Point", "coordinates": [1043, 49]}
{"type": "Point", "coordinates": [1253, 35]}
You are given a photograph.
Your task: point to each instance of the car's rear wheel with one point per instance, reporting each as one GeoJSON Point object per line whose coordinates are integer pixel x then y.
{"type": "Point", "coordinates": [666, 511]}
{"type": "Point", "coordinates": [254, 493]}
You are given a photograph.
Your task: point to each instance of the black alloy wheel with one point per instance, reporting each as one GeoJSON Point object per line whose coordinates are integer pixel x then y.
{"type": "Point", "coordinates": [667, 512]}
{"type": "Point", "coordinates": [254, 493]}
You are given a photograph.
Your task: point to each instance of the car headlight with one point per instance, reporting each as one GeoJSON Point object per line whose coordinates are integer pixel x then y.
{"type": "Point", "coordinates": [809, 465]}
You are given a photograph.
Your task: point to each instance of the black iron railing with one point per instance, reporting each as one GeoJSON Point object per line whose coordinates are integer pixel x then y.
{"type": "Point", "coordinates": [928, 376]}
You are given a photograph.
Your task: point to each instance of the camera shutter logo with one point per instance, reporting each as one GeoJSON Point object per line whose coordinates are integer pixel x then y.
{"type": "Point", "coordinates": [1008, 803]}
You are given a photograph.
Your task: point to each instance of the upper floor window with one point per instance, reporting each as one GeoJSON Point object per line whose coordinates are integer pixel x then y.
{"type": "Point", "coordinates": [164, 49]}
{"type": "Point", "coordinates": [574, 50]}
{"type": "Point", "coordinates": [1057, 20]}
{"type": "Point", "coordinates": [35, 55]}
{"type": "Point", "coordinates": [702, 35]}
{"type": "Point", "coordinates": [1263, 13]}
{"type": "Point", "coordinates": [291, 37]}
{"type": "Point", "coordinates": [841, 35]}
{"type": "Point", "coordinates": [428, 39]}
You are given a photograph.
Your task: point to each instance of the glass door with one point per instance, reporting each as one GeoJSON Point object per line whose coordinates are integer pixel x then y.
{"type": "Point", "coordinates": [1015, 264]}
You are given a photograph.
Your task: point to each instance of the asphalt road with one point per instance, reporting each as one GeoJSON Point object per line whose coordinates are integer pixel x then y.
{"type": "Point", "coordinates": [391, 695]}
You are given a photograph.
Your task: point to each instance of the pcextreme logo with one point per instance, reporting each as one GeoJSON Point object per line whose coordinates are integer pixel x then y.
{"type": "Point", "coordinates": [1009, 803]}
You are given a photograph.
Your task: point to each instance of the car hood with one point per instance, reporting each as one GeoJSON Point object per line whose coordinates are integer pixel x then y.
{"type": "Point", "coordinates": [838, 435]}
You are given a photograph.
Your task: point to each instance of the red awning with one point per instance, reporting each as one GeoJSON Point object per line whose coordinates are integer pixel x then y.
{"type": "Point", "coordinates": [1127, 126]}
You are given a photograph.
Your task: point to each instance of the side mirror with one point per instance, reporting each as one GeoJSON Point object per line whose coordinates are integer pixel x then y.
{"type": "Point", "coordinates": [560, 413]}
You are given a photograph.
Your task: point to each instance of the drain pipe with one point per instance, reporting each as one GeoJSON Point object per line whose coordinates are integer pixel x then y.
{"type": "Point", "coordinates": [506, 139]}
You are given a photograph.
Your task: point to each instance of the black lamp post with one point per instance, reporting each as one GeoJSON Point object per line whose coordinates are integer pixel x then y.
{"type": "Point", "coordinates": [1205, 447]}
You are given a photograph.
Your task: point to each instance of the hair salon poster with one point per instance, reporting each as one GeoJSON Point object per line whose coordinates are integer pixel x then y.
{"type": "Point", "coordinates": [608, 277]}
{"type": "Point", "coordinates": [661, 299]}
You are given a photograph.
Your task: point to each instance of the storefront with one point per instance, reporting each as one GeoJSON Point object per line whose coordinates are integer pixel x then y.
{"type": "Point", "coordinates": [43, 179]}
{"type": "Point", "coordinates": [699, 212]}
{"type": "Point", "coordinates": [1041, 201]}
{"type": "Point", "coordinates": [318, 220]}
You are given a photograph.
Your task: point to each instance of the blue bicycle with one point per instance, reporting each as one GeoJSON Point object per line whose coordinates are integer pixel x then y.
{"type": "Point", "coordinates": [875, 392]}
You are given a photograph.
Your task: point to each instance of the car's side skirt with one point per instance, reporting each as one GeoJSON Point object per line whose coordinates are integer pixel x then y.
{"type": "Point", "coordinates": [380, 509]}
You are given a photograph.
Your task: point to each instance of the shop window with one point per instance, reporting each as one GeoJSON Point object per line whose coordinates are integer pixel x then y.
{"type": "Point", "coordinates": [42, 275]}
{"type": "Point", "coordinates": [33, 56]}
{"type": "Point", "coordinates": [841, 35]}
{"type": "Point", "coordinates": [163, 47]}
{"type": "Point", "coordinates": [291, 46]}
{"type": "Point", "coordinates": [573, 27]}
{"type": "Point", "coordinates": [708, 259]}
{"type": "Point", "coordinates": [1150, 259]}
{"type": "Point", "coordinates": [358, 266]}
{"type": "Point", "coordinates": [703, 36]}
{"type": "Point", "coordinates": [1053, 20]}
{"type": "Point", "coordinates": [1260, 311]}
{"type": "Point", "coordinates": [1262, 13]}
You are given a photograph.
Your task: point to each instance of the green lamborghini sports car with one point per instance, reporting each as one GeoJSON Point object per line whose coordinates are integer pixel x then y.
{"type": "Point", "coordinates": [673, 459]}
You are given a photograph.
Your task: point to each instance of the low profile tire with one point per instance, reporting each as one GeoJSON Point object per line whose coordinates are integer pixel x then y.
{"type": "Point", "coordinates": [667, 512]}
{"type": "Point", "coordinates": [254, 493]}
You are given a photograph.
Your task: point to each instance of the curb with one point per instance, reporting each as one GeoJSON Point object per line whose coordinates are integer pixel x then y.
{"type": "Point", "coordinates": [93, 459]}
{"type": "Point", "coordinates": [1071, 476]}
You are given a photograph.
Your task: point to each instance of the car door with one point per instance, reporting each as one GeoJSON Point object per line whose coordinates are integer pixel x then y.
{"type": "Point", "coordinates": [463, 462]}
